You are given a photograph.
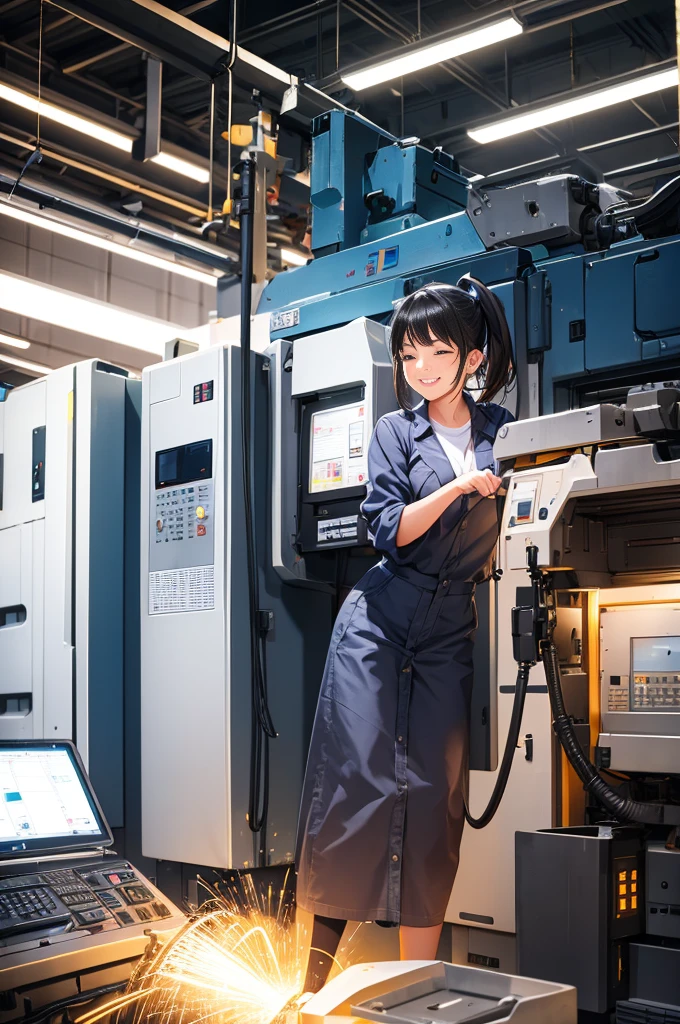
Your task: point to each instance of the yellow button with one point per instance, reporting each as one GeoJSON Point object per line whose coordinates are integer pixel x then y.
{"type": "Point", "coordinates": [633, 887]}
{"type": "Point", "coordinates": [633, 903]}
{"type": "Point", "coordinates": [622, 890]}
{"type": "Point", "coordinates": [633, 874]}
{"type": "Point", "coordinates": [200, 512]}
{"type": "Point", "coordinates": [623, 905]}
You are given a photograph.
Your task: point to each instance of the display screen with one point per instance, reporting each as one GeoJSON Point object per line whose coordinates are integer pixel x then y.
{"type": "Point", "coordinates": [45, 800]}
{"type": "Point", "coordinates": [338, 451]}
{"type": "Point", "coordinates": [655, 673]}
{"type": "Point", "coordinates": [188, 462]}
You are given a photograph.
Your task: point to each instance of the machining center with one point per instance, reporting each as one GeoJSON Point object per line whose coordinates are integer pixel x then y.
{"type": "Point", "coordinates": [586, 279]}
{"type": "Point", "coordinates": [69, 458]}
{"type": "Point", "coordinates": [596, 493]}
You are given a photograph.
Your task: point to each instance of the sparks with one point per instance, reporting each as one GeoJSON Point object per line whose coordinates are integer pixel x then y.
{"type": "Point", "coordinates": [226, 966]}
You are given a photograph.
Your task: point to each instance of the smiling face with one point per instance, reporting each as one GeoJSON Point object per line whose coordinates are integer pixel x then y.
{"type": "Point", "coordinates": [433, 370]}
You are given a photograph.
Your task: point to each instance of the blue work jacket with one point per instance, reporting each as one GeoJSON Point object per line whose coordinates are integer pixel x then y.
{"type": "Point", "coordinates": [406, 462]}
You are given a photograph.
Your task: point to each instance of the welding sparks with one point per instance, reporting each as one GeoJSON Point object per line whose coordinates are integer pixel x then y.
{"type": "Point", "coordinates": [226, 966]}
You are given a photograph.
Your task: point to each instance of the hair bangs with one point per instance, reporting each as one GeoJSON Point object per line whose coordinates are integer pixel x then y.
{"type": "Point", "coordinates": [429, 322]}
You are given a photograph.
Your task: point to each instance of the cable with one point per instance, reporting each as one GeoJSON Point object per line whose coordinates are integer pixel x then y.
{"type": "Point", "coordinates": [508, 754]}
{"type": "Point", "coordinates": [45, 1012]}
{"type": "Point", "coordinates": [262, 726]}
{"type": "Point", "coordinates": [620, 807]}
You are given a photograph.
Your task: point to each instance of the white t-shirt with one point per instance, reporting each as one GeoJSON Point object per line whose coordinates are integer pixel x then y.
{"type": "Point", "coordinates": [457, 445]}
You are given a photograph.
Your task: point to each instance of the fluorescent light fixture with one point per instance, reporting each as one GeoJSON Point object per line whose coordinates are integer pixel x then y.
{"type": "Point", "coordinates": [23, 364]}
{"type": "Point", "coordinates": [93, 130]}
{"type": "Point", "coordinates": [79, 124]}
{"type": "Point", "coordinates": [179, 166]}
{"type": "Point", "coordinates": [476, 177]}
{"type": "Point", "coordinates": [8, 339]}
{"type": "Point", "coordinates": [426, 56]}
{"type": "Point", "coordinates": [296, 259]}
{"type": "Point", "coordinates": [66, 231]}
{"type": "Point", "coordinates": [87, 316]}
{"type": "Point", "coordinates": [596, 100]}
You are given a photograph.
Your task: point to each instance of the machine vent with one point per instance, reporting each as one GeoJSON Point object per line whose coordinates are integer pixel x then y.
{"type": "Point", "coordinates": [182, 590]}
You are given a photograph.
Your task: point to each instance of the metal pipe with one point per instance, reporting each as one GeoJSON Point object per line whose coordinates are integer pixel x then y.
{"type": "Point", "coordinates": [94, 58]}
{"type": "Point", "coordinates": [131, 227]}
{"type": "Point", "coordinates": [126, 183]}
{"type": "Point", "coordinates": [285, 20]}
{"type": "Point", "coordinates": [607, 143]}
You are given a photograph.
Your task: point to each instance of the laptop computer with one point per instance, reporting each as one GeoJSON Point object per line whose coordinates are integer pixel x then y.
{"type": "Point", "coordinates": [69, 905]}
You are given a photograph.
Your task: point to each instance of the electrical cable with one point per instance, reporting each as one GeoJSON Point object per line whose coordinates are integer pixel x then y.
{"type": "Point", "coordinates": [622, 808]}
{"type": "Point", "coordinates": [262, 726]}
{"type": "Point", "coordinates": [36, 156]}
{"type": "Point", "coordinates": [47, 1011]}
{"type": "Point", "coordinates": [233, 50]}
{"type": "Point", "coordinates": [508, 754]}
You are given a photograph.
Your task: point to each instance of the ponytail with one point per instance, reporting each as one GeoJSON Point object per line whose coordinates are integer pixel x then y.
{"type": "Point", "coordinates": [497, 372]}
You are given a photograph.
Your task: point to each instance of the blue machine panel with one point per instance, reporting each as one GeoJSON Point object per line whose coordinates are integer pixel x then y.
{"type": "Point", "coordinates": [657, 307]}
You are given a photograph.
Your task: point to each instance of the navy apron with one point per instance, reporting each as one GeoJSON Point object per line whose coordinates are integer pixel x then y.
{"type": "Point", "coordinates": [382, 807]}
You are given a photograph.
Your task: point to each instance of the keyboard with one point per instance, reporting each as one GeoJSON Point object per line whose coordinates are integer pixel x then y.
{"type": "Point", "coordinates": [107, 894]}
{"type": "Point", "coordinates": [23, 910]}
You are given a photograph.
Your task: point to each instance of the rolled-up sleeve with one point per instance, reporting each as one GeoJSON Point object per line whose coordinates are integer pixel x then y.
{"type": "Point", "coordinates": [389, 488]}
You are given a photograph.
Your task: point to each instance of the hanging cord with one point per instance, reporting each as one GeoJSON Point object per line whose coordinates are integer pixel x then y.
{"type": "Point", "coordinates": [40, 53]}
{"type": "Point", "coordinates": [262, 726]}
{"type": "Point", "coordinates": [508, 754]}
{"type": "Point", "coordinates": [212, 151]}
{"type": "Point", "coordinates": [36, 156]}
{"type": "Point", "coordinates": [233, 50]}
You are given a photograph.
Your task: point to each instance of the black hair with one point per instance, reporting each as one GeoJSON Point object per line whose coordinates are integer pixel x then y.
{"type": "Point", "coordinates": [466, 315]}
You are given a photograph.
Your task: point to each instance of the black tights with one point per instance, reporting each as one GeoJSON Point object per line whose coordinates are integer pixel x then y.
{"type": "Point", "coordinates": [326, 935]}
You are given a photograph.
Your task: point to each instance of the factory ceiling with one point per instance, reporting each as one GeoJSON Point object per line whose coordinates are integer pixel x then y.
{"type": "Point", "coordinates": [93, 60]}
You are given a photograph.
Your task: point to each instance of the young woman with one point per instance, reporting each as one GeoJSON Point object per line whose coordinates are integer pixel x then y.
{"type": "Point", "coordinates": [382, 807]}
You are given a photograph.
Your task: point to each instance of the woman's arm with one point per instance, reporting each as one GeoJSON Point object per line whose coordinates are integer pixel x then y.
{"type": "Point", "coordinates": [417, 517]}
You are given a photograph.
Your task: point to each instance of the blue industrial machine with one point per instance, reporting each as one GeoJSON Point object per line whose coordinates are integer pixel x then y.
{"type": "Point", "coordinates": [587, 281]}
{"type": "Point", "coordinates": [585, 276]}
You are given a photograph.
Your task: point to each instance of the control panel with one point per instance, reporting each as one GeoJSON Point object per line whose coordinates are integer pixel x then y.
{"type": "Point", "coordinates": [181, 528]}
{"type": "Point", "coordinates": [98, 896]}
{"type": "Point", "coordinates": [536, 498]}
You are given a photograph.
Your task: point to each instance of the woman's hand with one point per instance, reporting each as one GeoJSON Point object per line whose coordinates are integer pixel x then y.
{"type": "Point", "coordinates": [419, 516]}
{"type": "Point", "coordinates": [481, 480]}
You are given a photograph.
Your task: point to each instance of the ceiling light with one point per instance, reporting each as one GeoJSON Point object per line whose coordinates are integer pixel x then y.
{"type": "Point", "coordinates": [79, 124]}
{"type": "Point", "coordinates": [579, 105]}
{"type": "Point", "coordinates": [24, 365]}
{"type": "Point", "coordinates": [296, 259]}
{"type": "Point", "coordinates": [7, 339]}
{"type": "Point", "coordinates": [426, 56]}
{"type": "Point", "coordinates": [17, 213]}
{"type": "Point", "coordinates": [179, 166]}
{"type": "Point", "coordinates": [476, 177]}
{"type": "Point", "coordinates": [87, 316]}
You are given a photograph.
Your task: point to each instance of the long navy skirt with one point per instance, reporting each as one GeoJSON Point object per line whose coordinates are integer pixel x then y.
{"type": "Point", "coordinates": [382, 805]}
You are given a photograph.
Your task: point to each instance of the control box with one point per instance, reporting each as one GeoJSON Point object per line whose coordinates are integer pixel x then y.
{"type": "Point", "coordinates": [196, 675]}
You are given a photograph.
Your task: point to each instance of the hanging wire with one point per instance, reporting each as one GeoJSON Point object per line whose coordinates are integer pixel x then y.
{"type": "Point", "coordinates": [35, 157]}
{"type": "Point", "coordinates": [212, 151]}
{"type": "Point", "coordinates": [232, 60]}
{"type": "Point", "coordinates": [337, 35]}
{"type": "Point", "coordinates": [40, 62]}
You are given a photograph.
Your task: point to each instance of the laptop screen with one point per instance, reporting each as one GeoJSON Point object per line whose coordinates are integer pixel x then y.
{"type": "Point", "coordinates": [46, 801]}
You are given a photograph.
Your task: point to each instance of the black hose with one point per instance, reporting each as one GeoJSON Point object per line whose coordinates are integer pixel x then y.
{"type": "Point", "coordinates": [622, 808]}
{"type": "Point", "coordinates": [262, 726]}
{"type": "Point", "coordinates": [508, 754]}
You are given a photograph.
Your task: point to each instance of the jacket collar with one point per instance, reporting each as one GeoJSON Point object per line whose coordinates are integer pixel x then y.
{"type": "Point", "coordinates": [481, 421]}
{"type": "Point", "coordinates": [431, 451]}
